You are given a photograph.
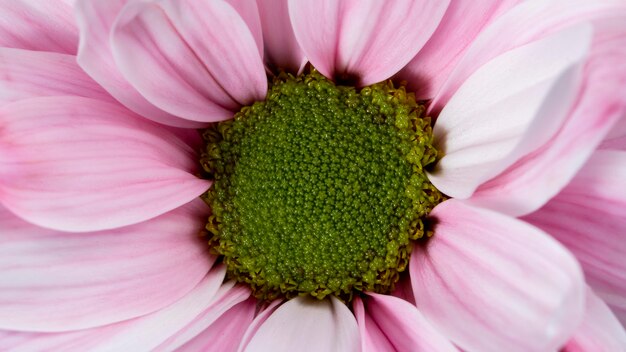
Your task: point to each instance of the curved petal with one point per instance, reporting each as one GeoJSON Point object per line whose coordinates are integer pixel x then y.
{"type": "Point", "coordinates": [78, 164]}
{"type": "Point", "coordinates": [28, 74]}
{"type": "Point", "coordinates": [589, 218]}
{"type": "Point", "coordinates": [372, 337]}
{"type": "Point", "coordinates": [462, 22]}
{"type": "Point", "coordinates": [282, 51]}
{"type": "Point", "coordinates": [95, 19]}
{"type": "Point", "coordinates": [162, 48]}
{"type": "Point", "coordinates": [38, 25]}
{"type": "Point", "coordinates": [56, 281]}
{"type": "Point", "coordinates": [306, 324]}
{"type": "Point", "coordinates": [402, 325]}
{"type": "Point", "coordinates": [363, 42]}
{"type": "Point", "coordinates": [525, 23]}
{"type": "Point", "coordinates": [616, 138]}
{"type": "Point", "coordinates": [497, 116]}
{"type": "Point", "coordinates": [483, 271]}
{"type": "Point", "coordinates": [249, 12]}
{"type": "Point", "coordinates": [258, 321]}
{"type": "Point", "coordinates": [140, 334]}
{"type": "Point", "coordinates": [225, 333]}
{"type": "Point", "coordinates": [531, 182]}
{"type": "Point", "coordinates": [600, 331]}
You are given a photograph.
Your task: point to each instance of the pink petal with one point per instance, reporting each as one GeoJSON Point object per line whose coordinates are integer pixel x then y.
{"type": "Point", "coordinates": [365, 41]}
{"type": "Point", "coordinates": [401, 324]}
{"type": "Point", "coordinates": [258, 321]}
{"type": "Point", "coordinates": [57, 281]}
{"type": "Point", "coordinates": [140, 334]}
{"type": "Point", "coordinates": [306, 324]}
{"type": "Point", "coordinates": [27, 74]}
{"type": "Point", "coordinates": [600, 331]}
{"type": "Point", "coordinates": [463, 20]}
{"type": "Point", "coordinates": [38, 25]}
{"type": "Point", "coordinates": [616, 138]}
{"type": "Point", "coordinates": [494, 283]}
{"type": "Point", "coordinates": [78, 164]}
{"type": "Point", "coordinates": [527, 22]}
{"type": "Point", "coordinates": [249, 12]}
{"type": "Point", "coordinates": [95, 19]}
{"type": "Point", "coordinates": [496, 117]}
{"type": "Point", "coordinates": [282, 51]}
{"type": "Point", "coordinates": [226, 333]}
{"type": "Point", "coordinates": [589, 218]}
{"type": "Point", "coordinates": [372, 337]}
{"type": "Point", "coordinates": [531, 182]}
{"type": "Point", "coordinates": [195, 59]}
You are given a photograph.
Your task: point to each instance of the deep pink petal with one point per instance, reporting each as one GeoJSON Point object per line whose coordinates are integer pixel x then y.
{"type": "Point", "coordinates": [79, 164]}
{"type": "Point", "coordinates": [95, 19]}
{"type": "Point", "coordinates": [494, 283]}
{"type": "Point", "coordinates": [195, 59]}
{"type": "Point", "coordinates": [57, 281]}
{"type": "Point", "coordinates": [589, 218]}
{"type": "Point", "coordinates": [225, 333]}
{"type": "Point", "coordinates": [144, 333]}
{"type": "Point", "coordinates": [38, 25]}
{"type": "Point", "coordinates": [616, 138]}
{"type": "Point", "coordinates": [28, 74]}
{"type": "Point", "coordinates": [363, 41]}
{"type": "Point", "coordinates": [402, 325]}
{"type": "Point", "coordinates": [372, 337]}
{"type": "Point", "coordinates": [306, 324]}
{"type": "Point", "coordinates": [531, 182]}
{"type": "Point", "coordinates": [463, 20]}
{"type": "Point", "coordinates": [527, 22]}
{"type": "Point", "coordinates": [497, 116]}
{"type": "Point", "coordinates": [282, 51]}
{"type": "Point", "coordinates": [600, 331]}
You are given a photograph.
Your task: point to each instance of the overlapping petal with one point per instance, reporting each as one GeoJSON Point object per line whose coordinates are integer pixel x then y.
{"type": "Point", "coordinates": [498, 114]}
{"type": "Point", "coordinates": [38, 25]}
{"type": "Point", "coordinates": [388, 323]}
{"type": "Point", "coordinates": [79, 164]}
{"type": "Point", "coordinates": [144, 333]}
{"type": "Point", "coordinates": [589, 218]}
{"type": "Point", "coordinates": [359, 42]}
{"type": "Point", "coordinates": [282, 51]}
{"type": "Point", "coordinates": [29, 74]}
{"type": "Point", "coordinates": [494, 283]}
{"type": "Point", "coordinates": [306, 324]}
{"type": "Point", "coordinates": [600, 330]}
{"type": "Point", "coordinates": [539, 176]}
{"type": "Point", "coordinates": [56, 281]}
{"type": "Point", "coordinates": [463, 21]}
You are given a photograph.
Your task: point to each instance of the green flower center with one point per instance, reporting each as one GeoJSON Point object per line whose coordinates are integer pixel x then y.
{"type": "Point", "coordinates": [320, 188]}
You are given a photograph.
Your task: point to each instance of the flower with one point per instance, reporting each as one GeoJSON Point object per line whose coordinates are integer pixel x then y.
{"type": "Point", "coordinates": [99, 185]}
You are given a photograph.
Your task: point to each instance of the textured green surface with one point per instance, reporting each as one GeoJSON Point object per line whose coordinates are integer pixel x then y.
{"type": "Point", "coordinates": [319, 189]}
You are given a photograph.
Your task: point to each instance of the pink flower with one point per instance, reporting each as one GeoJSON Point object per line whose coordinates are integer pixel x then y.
{"type": "Point", "coordinates": [99, 186]}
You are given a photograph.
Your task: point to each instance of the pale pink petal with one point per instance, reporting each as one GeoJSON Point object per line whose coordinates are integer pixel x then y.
{"type": "Point", "coordinates": [258, 321]}
{"type": "Point", "coordinates": [589, 218]}
{"type": "Point", "coordinates": [79, 164]}
{"type": "Point", "coordinates": [372, 338]}
{"type": "Point", "coordinates": [363, 42]}
{"type": "Point", "coordinates": [282, 51]}
{"type": "Point", "coordinates": [249, 12]}
{"type": "Point", "coordinates": [531, 182]}
{"type": "Point", "coordinates": [600, 331]}
{"type": "Point", "coordinates": [226, 333]}
{"type": "Point", "coordinates": [402, 325]}
{"type": "Point", "coordinates": [616, 138]}
{"type": "Point", "coordinates": [57, 281]}
{"type": "Point", "coordinates": [463, 20]}
{"type": "Point", "coordinates": [527, 22]}
{"type": "Point", "coordinates": [494, 283]}
{"type": "Point", "coordinates": [27, 74]}
{"type": "Point", "coordinates": [497, 116]}
{"type": "Point", "coordinates": [307, 324]}
{"type": "Point", "coordinates": [195, 59]}
{"type": "Point", "coordinates": [144, 333]}
{"type": "Point", "coordinates": [38, 25]}
{"type": "Point", "coordinates": [95, 19]}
